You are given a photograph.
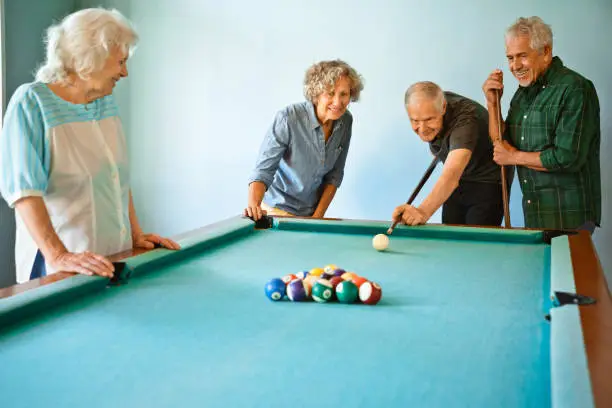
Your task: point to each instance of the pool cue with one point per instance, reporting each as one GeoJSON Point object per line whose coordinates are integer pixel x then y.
{"type": "Point", "coordinates": [503, 170]}
{"type": "Point", "coordinates": [418, 188]}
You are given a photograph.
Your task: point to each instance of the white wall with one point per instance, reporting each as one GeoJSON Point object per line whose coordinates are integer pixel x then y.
{"type": "Point", "coordinates": [209, 76]}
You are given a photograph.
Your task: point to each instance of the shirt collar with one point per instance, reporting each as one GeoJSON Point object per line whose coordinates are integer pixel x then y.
{"type": "Point", "coordinates": [555, 66]}
{"type": "Point", "coordinates": [314, 122]}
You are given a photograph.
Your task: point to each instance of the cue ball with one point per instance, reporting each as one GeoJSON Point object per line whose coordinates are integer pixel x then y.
{"type": "Point", "coordinates": [380, 242]}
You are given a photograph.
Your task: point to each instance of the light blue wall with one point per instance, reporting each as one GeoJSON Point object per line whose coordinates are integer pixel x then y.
{"type": "Point", "coordinates": [25, 22]}
{"type": "Point", "coordinates": [209, 76]}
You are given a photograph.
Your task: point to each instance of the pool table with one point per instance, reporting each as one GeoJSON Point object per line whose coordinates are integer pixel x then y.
{"type": "Point", "coordinates": [469, 317]}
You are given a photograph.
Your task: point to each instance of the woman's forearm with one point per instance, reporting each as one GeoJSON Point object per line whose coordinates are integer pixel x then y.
{"type": "Point", "coordinates": [34, 214]}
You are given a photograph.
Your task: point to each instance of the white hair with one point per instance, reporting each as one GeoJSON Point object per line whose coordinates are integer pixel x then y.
{"type": "Point", "coordinates": [539, 33]}
{"type": "Point", "coordinates": [428, 90]}
{"type": "Point", "coordinates": [82, 41]}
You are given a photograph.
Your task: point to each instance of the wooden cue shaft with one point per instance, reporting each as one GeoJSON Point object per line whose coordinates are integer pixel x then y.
{"type": "Point", "coordinates": [503, 170]}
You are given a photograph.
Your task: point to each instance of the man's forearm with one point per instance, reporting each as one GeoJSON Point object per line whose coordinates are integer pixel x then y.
{"type": "Point", "coordinates": [329, 191]}
{"type": "Point", "coordinates": [530, 160]}
{"type": "Point", "coordinates": [441, 191]}
{"type": "Point", "coordinates": [34, 214]}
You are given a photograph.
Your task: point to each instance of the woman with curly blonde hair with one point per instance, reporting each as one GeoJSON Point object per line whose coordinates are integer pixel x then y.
{"type": "Point", "coordinates": [301, 160]}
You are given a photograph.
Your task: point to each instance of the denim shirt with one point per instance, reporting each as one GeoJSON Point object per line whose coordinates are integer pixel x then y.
{"type": "Point", "coordinates": [294, 161]}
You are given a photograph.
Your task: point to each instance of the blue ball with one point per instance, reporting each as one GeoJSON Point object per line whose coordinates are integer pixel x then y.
{"type": "Point", "coordinates": [275, 289]}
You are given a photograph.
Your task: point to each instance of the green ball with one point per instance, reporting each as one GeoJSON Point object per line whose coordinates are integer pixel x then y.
{"type": "Point", "coordinates": [322, 290]}
{"type": "Point", "coordinates": [347, 292]}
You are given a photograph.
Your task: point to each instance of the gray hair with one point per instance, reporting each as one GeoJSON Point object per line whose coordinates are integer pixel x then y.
{"type": "Point", "coordinates": [540, 34]}
{"type": "Point", "coordinates": [82, 41]}
{"type": "Point", "coordinates": [428, 90]}
{"type": "Point", "coordinates": [323, 75]}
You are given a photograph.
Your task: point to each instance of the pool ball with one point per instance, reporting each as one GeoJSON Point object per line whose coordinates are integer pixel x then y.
{"type": "Point", "coordinates": [347, 292]}
{"type": "Point", "coordinates": [338, 272]}
{"type": "Point", "coordinates": [380, 242]}
{"type": "Point", "coordinates": [302, 274]}
{"type": "Point", "coordinates": [317, 271]}
{"type": "Point", "coordinates": [288, 278]}
{"type": "Point", "coordinates": [322, 291]}
{"type": "Point", "coordinates": [348, 276]}
{"type": "Point", "coordinates": [334, 282]}
{"type": "Point", "coordinates": [327, 275]}
{"type": "Point", "coordinates": [358, 281]}
{"type": "Point", "coordinates": [275, 289]}
{"type": "Point", "coordinates": [370, 293]}
{"type": "Point", "coordinates": [298, 290]}
{"type": "Point", "coordinates": [329, 268]}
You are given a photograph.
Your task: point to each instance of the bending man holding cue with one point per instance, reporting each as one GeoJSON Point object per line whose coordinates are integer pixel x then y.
{"type": "Point", "coordinates": [457, 130]}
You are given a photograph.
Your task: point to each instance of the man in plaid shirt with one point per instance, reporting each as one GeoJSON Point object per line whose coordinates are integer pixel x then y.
{"type": "Point", "coordinates": [551, 133]}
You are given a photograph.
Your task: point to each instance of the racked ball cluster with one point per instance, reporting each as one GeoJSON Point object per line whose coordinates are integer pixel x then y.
{"type": "Point", "coordinates": [322, 285]}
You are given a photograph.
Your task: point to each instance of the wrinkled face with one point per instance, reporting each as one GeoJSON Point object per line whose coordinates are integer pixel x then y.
{"type": "Point", "coordinates": [103, 82]}
{"type": "Point", "coordinates": [425, 117]}
{"type": "Point", "coordinates": [332, 104]}
{"type": "Point", "coordinates": [525, 63]}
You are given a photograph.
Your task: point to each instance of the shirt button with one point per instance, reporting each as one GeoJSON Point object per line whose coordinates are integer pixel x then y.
{"type": "Point", "coordinates": [522, 137]}
{"type": "Point", "coordinates": [525, 181]}
{"type": "Point", "coordinates": [525, 117]}
{"type": "Point", "coordinates": [528, 201]}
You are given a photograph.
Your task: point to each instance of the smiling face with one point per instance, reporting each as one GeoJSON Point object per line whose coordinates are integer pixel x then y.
{"type": "Point", "coordinates": [526, 63]}
{"type": "Point", "coordinates": [103, 82]}
{"type": "Point", "coordinates": [426, 118]}
{"type": "Point", "coordinates": [332, 104]}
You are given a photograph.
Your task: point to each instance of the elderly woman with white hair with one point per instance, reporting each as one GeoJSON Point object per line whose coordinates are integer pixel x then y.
{"type": "Point", "coordinates": [63, 153]}
{"type": "Point", "coordinates": [301, 160]}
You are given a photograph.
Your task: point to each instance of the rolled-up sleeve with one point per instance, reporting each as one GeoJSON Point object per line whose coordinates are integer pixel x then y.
{"type": "Point", "coordinates": [24, 150]}
{"type": "Point", "coordinates": [577, 130]}
{"type": "Point", "coordinates": [272, 149]}
{"type": "Point", "coordinates": [336, 174]}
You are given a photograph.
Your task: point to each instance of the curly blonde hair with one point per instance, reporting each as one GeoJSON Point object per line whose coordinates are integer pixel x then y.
{"type": "Point", "coordinates": [323, 76]}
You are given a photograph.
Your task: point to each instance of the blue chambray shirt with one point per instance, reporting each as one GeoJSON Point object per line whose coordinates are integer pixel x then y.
{"type": "Point", "coordinates": [294, 161]}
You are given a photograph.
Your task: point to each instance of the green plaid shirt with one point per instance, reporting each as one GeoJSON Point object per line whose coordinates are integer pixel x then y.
{"type": "Point", "coordinates": [558, 116]}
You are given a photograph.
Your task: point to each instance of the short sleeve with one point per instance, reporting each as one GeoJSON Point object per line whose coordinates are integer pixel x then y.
{"type": "Point", "coordinates": [464, 134]}
{"type": "Point", "coordinates": [24, 150]}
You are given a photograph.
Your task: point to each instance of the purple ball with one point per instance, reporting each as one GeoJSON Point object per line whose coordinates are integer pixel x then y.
{"type": "Point", "coordinates": [339, 272]}
{"type": "Point", "coordinates": [297, 290]}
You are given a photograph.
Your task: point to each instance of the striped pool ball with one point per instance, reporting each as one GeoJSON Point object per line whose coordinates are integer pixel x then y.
{"type": "Point", "coordinates": [275, 289]}
{"type": "Point", "coordinates": [370, 293]}
{"type": "Point", "coordinates": [347, 276]}
{"type": "Point", "coordinates": [302, 274]}
{"type": "Point", "coordinates": [298, 290]}
{"type": "Point", "coordinates": [317, 271]}
{"type": "Point", "coordinates": [288, 278]}
{"type": "Point", "coordinates": [322, 291]}
{"type": "Point", "coordinates": [329, 268]}
{"type": "Point", "coordinates": [347, 292]}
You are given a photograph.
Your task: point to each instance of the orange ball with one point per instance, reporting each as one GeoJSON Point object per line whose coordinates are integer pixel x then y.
{"type": "Point", "coordinates": [358, 281]}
